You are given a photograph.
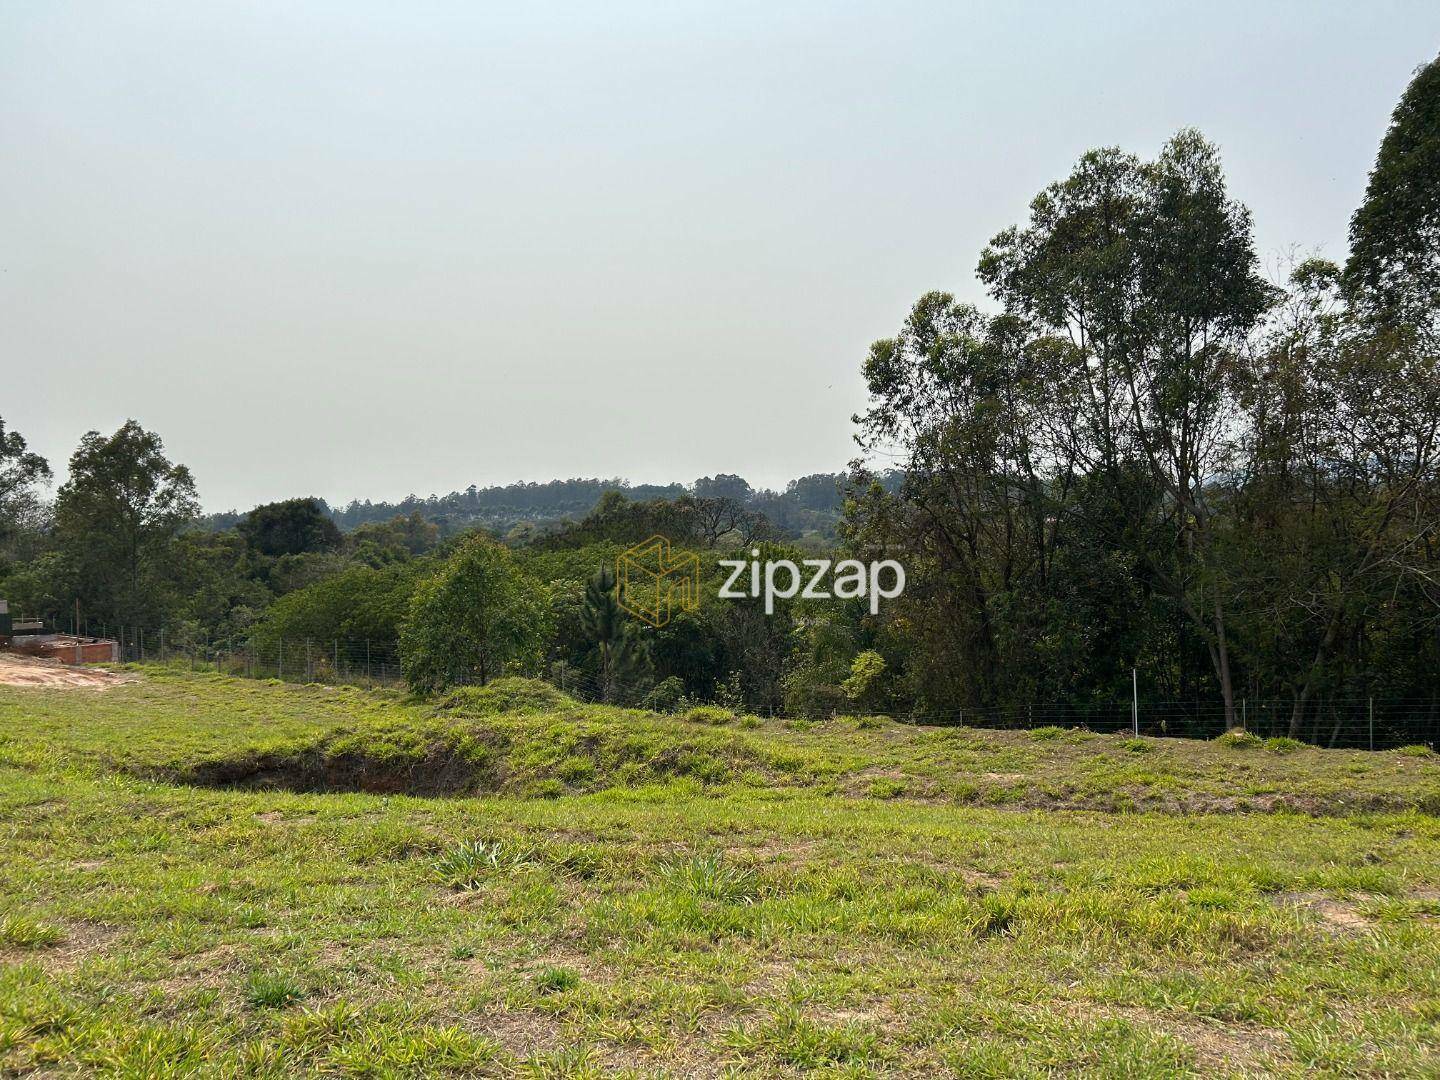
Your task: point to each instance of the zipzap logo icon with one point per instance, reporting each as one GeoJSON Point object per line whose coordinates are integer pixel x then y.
{"type": "Point", "coordinates": [652, 582]}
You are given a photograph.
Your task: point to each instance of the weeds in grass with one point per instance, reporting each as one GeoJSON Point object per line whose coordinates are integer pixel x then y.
{"type": "Point", "coordinates": [555, 980]}
{"type": "Point", "coordinates": [23, 932]}
{"type": "Point", "coordinates": [1416, 750]}
{"type": "Point", "coordinates": [788, 1037]}
{"type": "Point", "coordinates": [266, 990]}
{"type": "Point", "coordinates": [711, 714]}
{"type": "Point", "coordinates": [1135, 746]}
{"type": "Point", "coordinates": [1283, 744]}
{"type": "Point", "coordinates": [1239, 740]}
{"type": "Point", "coordinates": [886, 788]}
{"type": "Point", "coordinates": [710, 877]}
{"type": "Point", "coordinates": [468, 864]}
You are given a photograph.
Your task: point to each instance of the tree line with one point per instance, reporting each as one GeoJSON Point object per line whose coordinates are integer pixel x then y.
{"type": "Point", "coordinates": [1145, 460]}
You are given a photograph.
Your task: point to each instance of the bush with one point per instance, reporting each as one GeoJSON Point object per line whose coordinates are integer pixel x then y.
{"type": "Point", "coordinates": [1416, 750]}
{"type": "Point", "coordinates": [666, 696]}
{"type": "Point", "coordinates": [1239, 740]}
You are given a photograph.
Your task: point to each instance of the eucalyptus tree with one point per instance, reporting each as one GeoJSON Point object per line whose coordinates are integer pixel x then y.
{"type": "Point", "coordinates": [117, 518]}
{"type": "Point", "coordinates": [1147, 273]}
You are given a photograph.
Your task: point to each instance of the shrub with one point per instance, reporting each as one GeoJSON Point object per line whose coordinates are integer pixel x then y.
{"type": "Point", "coordinates": [1239, 740]}
{"type": "Point", "coordinates": [863, 686]}
{"type": "Point", "coordinates": [666, 696]}
{"type": "Point", "coordinates": [1416, 750]}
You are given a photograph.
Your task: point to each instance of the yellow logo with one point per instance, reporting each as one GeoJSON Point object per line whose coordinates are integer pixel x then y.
{"type": "Point", "coordinates": [652, 582]}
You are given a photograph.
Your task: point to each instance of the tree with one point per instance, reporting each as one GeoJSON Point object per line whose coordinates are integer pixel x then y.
{"type": "Point", "coordinates": [292, 527]}
{"type": "Point", "coordinates": [21, 471]}
{"type": "Point", "coordinates": [476, 619]}
{"type": "Point", "coordinates": [358, 604]}
{"type": "Point", "coordinates": [621, 657]}
{"type": "Point", "coordinates": [1394, 267]}
{"type": "Point", "coordinates": [117, 518]}
{"type": "Point", "coordinates": [1149, 272]}
{"type": "Point", "coordinates": [724, 486]}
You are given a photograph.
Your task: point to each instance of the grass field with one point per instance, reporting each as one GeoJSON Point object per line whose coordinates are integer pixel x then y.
{"type": "Point", "coordinates": [207, 875]}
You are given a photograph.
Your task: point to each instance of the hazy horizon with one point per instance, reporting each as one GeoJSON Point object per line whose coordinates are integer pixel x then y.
{"type": "Point", "coordinates": [355, 251]}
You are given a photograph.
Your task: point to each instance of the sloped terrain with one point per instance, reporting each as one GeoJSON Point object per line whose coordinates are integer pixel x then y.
{"type": "Point", "coordinates": [585, 891]}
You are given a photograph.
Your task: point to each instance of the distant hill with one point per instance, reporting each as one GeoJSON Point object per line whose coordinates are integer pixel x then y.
{"type": "Point", "coordinates": [808, 505]}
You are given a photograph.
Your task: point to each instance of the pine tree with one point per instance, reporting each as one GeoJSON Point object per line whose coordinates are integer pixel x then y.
{"type": "Point", "coordinates": [621, 655]}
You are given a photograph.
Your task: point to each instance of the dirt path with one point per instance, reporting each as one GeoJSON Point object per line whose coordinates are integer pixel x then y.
{"type": "Point", "coordinates": [18, 670]}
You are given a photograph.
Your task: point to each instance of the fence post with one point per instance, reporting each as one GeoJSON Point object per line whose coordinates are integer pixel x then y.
{"type": "Point", "coordinates": [280, 663]}
{"type": "Point", "coordinates": [337, 660]}
{"type": "Point", "coordinates": [1372, 723]}
{"type": "Point", "coordinates": [1135, 699]}
{"type": "Point", "coordinates": [367, 661]}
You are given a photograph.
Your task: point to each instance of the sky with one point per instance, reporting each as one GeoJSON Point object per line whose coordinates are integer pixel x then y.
{"type": "Point", "coordinates": [362, 250]}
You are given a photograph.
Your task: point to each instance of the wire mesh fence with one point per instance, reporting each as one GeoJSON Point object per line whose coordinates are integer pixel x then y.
{"type": "Point", "coordinates": [1348, 722]}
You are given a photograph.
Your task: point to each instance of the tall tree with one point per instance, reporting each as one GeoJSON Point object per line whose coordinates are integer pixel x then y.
{"type": "Point", "coordinates": [117, 518]}
{"type": "Point", "coordinates": [292, 527]}
{"type": "Point", "coordinates": [1394, 266]}
{"type": "Point", "coordinates": [21, 472]}
{"type": "Point", "coordinates": [1149, 270]}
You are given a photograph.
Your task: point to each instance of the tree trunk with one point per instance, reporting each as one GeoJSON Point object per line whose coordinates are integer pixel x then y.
{"type": "Point", "coordinates": [1302, 700]}
{"type": "Point", "coordinates": [1222, 667]}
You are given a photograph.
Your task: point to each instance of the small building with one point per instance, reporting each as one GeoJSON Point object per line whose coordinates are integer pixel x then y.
{"type": "Point", "coordinates": [28, 637]}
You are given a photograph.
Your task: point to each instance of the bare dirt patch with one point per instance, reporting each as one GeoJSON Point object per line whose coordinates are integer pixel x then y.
{"type": "Point", "coordinates": [45, 674]}
{"type": "Point", "coordinates": [1334, 914]}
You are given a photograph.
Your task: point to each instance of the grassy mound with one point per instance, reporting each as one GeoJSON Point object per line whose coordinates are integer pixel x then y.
{"type": "Point", "coordinates": [509, 695]}
{"type": "Point", "coordinates": [525, 738]}
{"type": "Point", "coordinates": [499, 740]}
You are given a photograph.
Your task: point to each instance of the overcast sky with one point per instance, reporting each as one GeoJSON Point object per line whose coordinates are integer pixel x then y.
{"type": "Point", "coordinates": [361, 250]}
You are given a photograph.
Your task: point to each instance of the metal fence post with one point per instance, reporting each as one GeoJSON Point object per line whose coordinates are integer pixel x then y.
{"type": "Point", "coordinates": [1135, 699]}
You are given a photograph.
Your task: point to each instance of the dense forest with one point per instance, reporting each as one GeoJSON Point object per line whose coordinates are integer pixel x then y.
{"type": "Point", "coordinates": [1144, 463]}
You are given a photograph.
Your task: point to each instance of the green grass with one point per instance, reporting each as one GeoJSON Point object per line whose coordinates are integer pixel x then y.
{"type": "Point", "coordinates": [597, 891]}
